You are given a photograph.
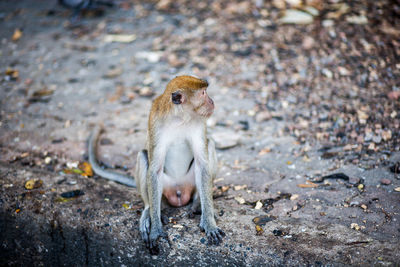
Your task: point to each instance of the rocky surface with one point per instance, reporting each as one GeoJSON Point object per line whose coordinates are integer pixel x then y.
{"type": "Point", "coordinates": [295, 103]}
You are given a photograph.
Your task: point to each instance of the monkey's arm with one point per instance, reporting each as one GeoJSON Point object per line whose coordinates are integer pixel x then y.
{"type": "Point", "coordinates": [110, 175]}
{"type": "Point", "coordinates": [205, 172]}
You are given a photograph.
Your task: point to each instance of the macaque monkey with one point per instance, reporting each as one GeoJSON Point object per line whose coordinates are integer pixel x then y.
{"type": "Point", "coordinates": [179, 162]}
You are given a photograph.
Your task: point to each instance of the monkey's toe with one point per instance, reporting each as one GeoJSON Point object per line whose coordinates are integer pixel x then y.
{"type": "Point", "coordinates": [164, 219]}
{"type": "Point", "coordinates": [144, 228]}
{"type": "Point", "coordinates": [215, 236]}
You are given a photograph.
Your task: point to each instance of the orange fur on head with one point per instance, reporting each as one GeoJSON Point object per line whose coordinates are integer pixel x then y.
{"type": "Point", "coordinates": [186, 82]}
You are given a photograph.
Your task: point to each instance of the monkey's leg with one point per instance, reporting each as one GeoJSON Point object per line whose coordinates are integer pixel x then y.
{"type": "Point", "coordinates": [140, 177]}
{"type": "Point", "coordinates": [213, 164]}
{"type": "Point", "coordinates": [154, 189]}
{"type": "Point", "coordinates": [204, 175]}
{"type": "Point", "coordinates": [195, 208]}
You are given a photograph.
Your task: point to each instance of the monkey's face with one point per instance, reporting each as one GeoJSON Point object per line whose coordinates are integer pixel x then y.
{"type": "Point", "coordinates": [203, 105]}
{"type": "Point", "coordinates": [196, 101]}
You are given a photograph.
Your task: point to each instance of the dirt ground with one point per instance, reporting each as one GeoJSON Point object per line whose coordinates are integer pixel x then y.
{"type": "Point", "coordinates": [295, 103]}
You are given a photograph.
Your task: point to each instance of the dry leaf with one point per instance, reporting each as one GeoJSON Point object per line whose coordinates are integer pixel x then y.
{"type": "Point", "coordinates": [341, 9]}
{"type": "Point", "coordinates": [259, 230]}
{"type": "Point", "coordinates": [293, 16]}
{"type": "Point", "coordinates": [33, 184]}
{"type": "Point", "coordinates": [308, 184]}
{"type": "Point", "coordinates": [264, 151]}
{"type": "Point", "coordinates": [258, 205]}
{"type": "Point", "coordinates": [357, 19]}
{"type": "Point", "coordinates": [362, 116]}
{"type": "Point", "coordinates": [86, 168]}
{"type": "Point", "coordinates": [355, 226]}
{"type": "Point", "coordinates": [240, 200]}
{"type": "Point", "coordinates": [224, 188]}
{"type": "Point", "coordinates": [42, 93]}
{"type": "Point", "coordinates": [113, 73]}
{"type": "Point", "coordinates": [239, 187]}
{"type": "Point", "coordinates": [119, 38]}
{"type": "Point", "coordinates": [13, 73]}
{"type": "Point", "coordinates": [17, 35]}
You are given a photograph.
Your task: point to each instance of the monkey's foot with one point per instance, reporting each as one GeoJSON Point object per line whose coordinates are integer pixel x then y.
{"type": "Point", "coordinates": [152, 244]}
{"type": "Point", "coordinates": [192, 212]}
{"type": "Point", "coordinates": [144, 226]}
{"type": "Point", "coordinates": [214, 234]}
{"type": "Point", "coordinates": [164, 219]}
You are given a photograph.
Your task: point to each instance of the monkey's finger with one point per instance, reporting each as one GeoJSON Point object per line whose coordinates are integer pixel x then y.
{"type": "Point", "coordinates": [201, 228]}
{"type": "Point", "coordinates": [145, 238]}
{"type": "Point", "coordinates": [212, 238]}
{"type": "Point", "coordinates": [222, 233]}
{"type": "Point", "coordinates": [152, 244]}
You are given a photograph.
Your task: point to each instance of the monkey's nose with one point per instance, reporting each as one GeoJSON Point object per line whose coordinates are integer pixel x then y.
{"type": "Point", "coordinates": [178, 193]}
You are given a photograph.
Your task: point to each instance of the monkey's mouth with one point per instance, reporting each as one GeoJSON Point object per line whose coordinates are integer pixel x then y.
{"type": "Point", "coordinates": [208, 113]}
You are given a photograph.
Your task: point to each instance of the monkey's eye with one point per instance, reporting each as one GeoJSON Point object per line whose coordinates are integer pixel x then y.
{"type": "Point", "coordinates": [176, 98]}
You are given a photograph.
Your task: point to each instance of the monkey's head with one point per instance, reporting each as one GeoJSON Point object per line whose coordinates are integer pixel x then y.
{"type": "Point", "coordinates": [191, 94]}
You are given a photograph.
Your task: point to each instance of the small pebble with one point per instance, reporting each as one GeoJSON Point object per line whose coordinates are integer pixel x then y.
{"type": "Point", "coordinates": [385, 181]}
{"type": "Point", "coordinates": [47, 160]}
{"type": "Point", "coordinates": [376, 139]}
{"type": "Point", "coordinates": [225, 140]}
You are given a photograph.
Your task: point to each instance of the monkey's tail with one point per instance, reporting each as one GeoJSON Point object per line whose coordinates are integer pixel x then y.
{"type": "Point", "coordinates": [110, 175]}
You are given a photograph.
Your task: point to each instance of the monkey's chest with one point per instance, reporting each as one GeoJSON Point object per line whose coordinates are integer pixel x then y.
{"type": "Point", "coordinates": [178, 161]}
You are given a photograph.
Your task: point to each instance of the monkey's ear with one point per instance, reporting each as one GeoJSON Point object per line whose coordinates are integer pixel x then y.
{"type": "Point", "coordinates": [177, 98]}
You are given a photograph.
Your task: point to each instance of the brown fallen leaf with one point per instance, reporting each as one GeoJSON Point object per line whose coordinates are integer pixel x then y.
{"type": "Point", "coordinates": [224, 188]}
{"type": "Point", "coordinates": [118, 93]}
{"type": "Point", "coordinates": [42, 92]}
{"type": "Point", "coordinates": [16, 35]}
{"type": "Point", "coordinates": [12, 73]}
{"type": "Point", "coordinates": [259, 230]}
{"type": "Point", "coordinates": [308, 184]}
{"type": "Point", "coordinates": [264, 151]}
{"type": "Point", "coordinates": [239, 187]}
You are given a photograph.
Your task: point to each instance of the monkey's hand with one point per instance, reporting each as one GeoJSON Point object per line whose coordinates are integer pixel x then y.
{"type": "Point", "coordinates": [214, 234]}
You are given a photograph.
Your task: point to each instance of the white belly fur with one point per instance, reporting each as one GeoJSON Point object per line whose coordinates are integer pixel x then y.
{"type": "Point", "coordinates": [177, 162]}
